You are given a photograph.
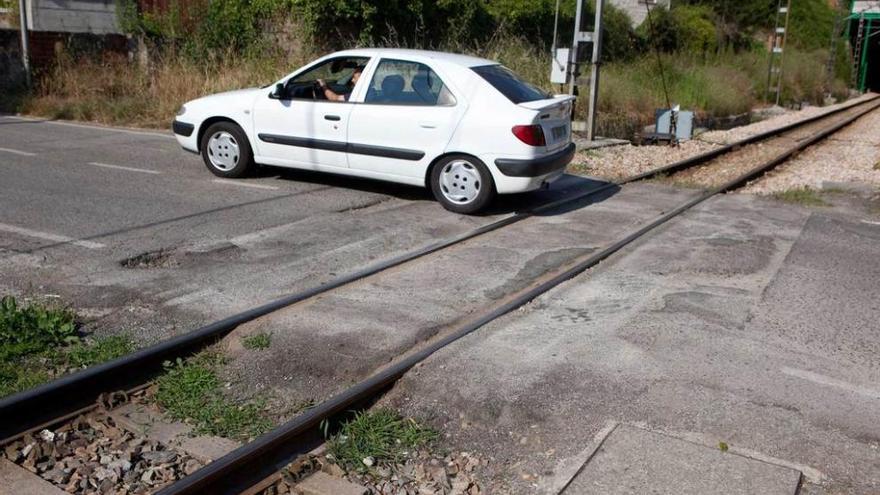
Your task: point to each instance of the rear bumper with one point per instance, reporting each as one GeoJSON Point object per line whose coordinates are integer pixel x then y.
{"type": "Point", "coordinates": [535, 167]}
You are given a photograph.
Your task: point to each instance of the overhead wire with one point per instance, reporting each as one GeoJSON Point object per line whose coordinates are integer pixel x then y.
{"type": "Point", "coordinates": [657, 52]}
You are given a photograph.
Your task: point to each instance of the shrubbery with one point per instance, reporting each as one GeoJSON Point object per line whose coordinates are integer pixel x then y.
{"type": "Point", "coordinates": [714, 52]}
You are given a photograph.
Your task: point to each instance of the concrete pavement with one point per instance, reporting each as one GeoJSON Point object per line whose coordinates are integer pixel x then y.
{"type": "Point", "coordinates": [746, 321]}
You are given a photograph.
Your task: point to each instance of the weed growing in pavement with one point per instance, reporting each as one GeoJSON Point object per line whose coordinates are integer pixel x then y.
{"type": "Point", "coordinates": [34, 328]}
{"type": "Point", "coordinates": [87, 354]}
{"type": "Point", "coordinates": [190, 390]}
{"type": "Point", "coordinates": [803, 196]}
{"type": "Point", "coordinates": [39, 342]}
{"type": "Point", "coordinates": [377, 436]}
{"type": "Point", "coordinates": [258, 341]}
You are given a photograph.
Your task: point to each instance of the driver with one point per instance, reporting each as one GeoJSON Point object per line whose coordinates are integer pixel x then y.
{"type": "Point", "coordinates": [333, 95]}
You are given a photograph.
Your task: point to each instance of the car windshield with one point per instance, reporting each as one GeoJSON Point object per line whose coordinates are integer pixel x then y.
{"type": "Point", "coordinates": [510, 85]}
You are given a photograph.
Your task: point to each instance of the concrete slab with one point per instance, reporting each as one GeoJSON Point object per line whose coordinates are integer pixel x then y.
{"type": "Point", "coordinates": [746, 321]}
{"type": "Point", "coordinates": [634, 460]}
{"type": "Point", "coordinates": [321, 483]}
{"type": "Point", "coordinates": [344, 336]}
{"type": "Point", "coordinates": [600, 142]}
{"type": "Point", "coordinates": [15, 480]}
{"type": "Point", "coordinates": [142, 420]}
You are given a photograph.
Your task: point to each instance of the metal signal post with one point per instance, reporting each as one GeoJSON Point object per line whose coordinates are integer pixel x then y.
{"type": "Point", "coordinates": [777, 51]}
{"type": "Point", "coordinates": [595, 38]}
{"type": "Point", "coordinates": [25, 48]}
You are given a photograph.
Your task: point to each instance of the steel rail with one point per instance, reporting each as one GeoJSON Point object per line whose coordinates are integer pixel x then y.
{"type": "Point", "coordinates": [71, 394]}
{"type": "Point", "coordinates": [252, 462]}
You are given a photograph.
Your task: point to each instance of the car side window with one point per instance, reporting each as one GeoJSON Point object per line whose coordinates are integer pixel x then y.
{"type": "Point", "coordinates": [337, 73]}
{"type": "Point", "coordinates": [399, 82]}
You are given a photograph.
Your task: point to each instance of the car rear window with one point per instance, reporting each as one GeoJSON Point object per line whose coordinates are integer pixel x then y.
{"type": "Point", "coordinates": [509, 84]}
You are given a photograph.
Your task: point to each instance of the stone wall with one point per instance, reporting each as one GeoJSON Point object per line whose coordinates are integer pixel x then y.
{"type": "Point", "coordinates": [73, 16]}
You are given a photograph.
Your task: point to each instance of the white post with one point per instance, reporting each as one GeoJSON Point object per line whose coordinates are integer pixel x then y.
{"type": "Point", "coordinates": [25, 50]}
{"type": "Point", "coordinates": [594, 78]}
{"type": "Point", "coordinates": [573, 54]}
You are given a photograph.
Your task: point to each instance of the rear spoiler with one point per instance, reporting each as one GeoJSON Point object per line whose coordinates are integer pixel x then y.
{"type": "Point", "coordinates": [547, 103]}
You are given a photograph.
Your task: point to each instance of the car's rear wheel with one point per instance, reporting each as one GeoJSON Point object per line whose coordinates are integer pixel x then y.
{"type": "Point", "coordinates": [226, 151]}
{"type": "Point", "coordinates": [462, 184]}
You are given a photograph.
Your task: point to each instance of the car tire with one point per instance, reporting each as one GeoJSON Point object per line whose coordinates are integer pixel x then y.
{"type": "Point", "coordinates": [462, 184]}
{"type": "Point", "coordinates": [226, 151]}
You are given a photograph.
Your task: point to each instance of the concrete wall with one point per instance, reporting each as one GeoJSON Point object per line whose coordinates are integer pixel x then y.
{"type": "Point", "coordinates": [636, 8]}
{"type": "Point", "coordinates": [73, 16]}
{"type": "Point", "coordinates": [867, 7]}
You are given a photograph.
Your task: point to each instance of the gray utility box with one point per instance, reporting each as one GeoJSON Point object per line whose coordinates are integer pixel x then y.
{"type": "Point", "coordinates": [684, 129]}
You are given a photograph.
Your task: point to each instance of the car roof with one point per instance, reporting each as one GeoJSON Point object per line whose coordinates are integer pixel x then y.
{"type": "Point", "coordinates": [443, 57]}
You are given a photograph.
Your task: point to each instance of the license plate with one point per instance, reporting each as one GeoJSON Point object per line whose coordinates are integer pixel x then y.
{"type": "Point", "coordinates": [560, 132]}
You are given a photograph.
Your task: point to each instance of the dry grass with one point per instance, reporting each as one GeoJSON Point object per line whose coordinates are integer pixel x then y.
{"type": "Point", "coordinates": [113, 90]}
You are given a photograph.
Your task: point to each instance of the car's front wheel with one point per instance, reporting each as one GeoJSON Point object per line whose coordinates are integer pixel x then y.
{"type": "Point", "coordinates": [462, 184]}
{"type": "Point", "coordinates": [226, 151]}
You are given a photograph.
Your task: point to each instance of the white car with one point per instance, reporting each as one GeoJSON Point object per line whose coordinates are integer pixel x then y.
{"type": "Point", "coordinates": [465, 127]}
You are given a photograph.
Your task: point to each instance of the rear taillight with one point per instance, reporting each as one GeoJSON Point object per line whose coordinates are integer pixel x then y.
{"type": "Point", "coordinates": [532, 135]}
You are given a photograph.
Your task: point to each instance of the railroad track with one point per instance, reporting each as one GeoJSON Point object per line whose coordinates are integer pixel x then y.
{"type": "Point", "coordinates": [241, 469]}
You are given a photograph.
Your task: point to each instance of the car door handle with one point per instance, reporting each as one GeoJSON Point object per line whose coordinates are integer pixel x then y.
{"type": "Point", "coordinates": [428, 125]}
{"type": "Point", "coordinates": [334, 118]}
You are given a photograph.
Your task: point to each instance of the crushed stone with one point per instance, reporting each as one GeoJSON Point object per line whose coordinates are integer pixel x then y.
{"type": "Point", "coordinates": [92, 455]}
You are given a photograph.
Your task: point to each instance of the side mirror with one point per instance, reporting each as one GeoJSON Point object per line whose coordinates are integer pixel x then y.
{"type": "Point", "coordinates": [278, 92]}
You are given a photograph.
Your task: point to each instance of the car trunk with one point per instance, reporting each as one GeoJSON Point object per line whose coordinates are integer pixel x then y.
{"type": "Point", "coordinates": [554, 117]}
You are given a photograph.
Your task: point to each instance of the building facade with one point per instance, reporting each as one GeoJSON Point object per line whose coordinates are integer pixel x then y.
{"type": "Point", "coordinates": [638, 9]}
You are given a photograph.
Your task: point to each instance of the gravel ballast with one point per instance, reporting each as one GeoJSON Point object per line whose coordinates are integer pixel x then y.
{"type": "Point", "coordinates": [618, 162]}
{"type": "Point", "coordinates": [91, 455]}
{"type": "Point", "coordinates": [850, 156]}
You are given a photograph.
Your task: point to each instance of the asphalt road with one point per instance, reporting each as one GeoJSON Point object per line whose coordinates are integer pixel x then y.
{"type": "Point", "coordinates": [77, 201]}
{"type": "Point", "coordinates": [745, 321]}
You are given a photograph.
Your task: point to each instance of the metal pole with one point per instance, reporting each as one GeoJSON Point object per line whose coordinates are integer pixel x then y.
{"type": "Point", "coordinates": [573, 54]}
{"type": "Point", "coordinates": [773, 49]}
{"type": "Point", "coordinates": [25, 49]}
{"type": "Point", "coordinates": [594, 78]}
{"type": "Point", "coordinates": [779, 79]}
{"type": "Point", "coordinates": [863, 78]}
{"type": "Point", "coordinates": [832, 57]}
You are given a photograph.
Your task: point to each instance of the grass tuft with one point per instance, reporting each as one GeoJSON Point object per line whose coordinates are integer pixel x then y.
{"type": "Point", "coordinates": [877, 166]}
{"type": "Point", "coordinates": [377, 436]}
{"type": "Point", "coordinates": [30, 329]}
{"type": "Point", "coordinates": [88, 354]}
{"type": "Point", "coordinates": [257, 341]}
{"type": "Point", "coordinates": [804, 196]}
{"type": "Point", "coordinates": [39, 342]}
{"type": "Point", "coordinates": [191, 391]}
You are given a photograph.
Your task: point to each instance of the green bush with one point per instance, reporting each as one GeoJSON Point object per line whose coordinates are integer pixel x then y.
{"type": "Point", "coordinates": [811, 23]}
{"type": "Point", "coordinates": [696, 30]}
{"type": "Point", "coordinates": [660, 31]}
{"type": "Point", "coordinates": [619, 39]}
